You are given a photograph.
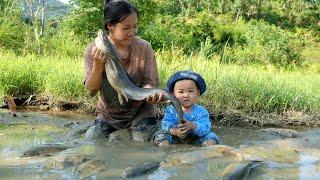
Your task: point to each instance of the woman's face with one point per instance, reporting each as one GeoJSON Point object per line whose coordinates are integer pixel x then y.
{"type": "Point", "coordinates": [123, 32]}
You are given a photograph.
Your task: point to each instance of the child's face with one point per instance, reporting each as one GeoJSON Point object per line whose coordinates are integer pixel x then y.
{"type": "Point", "coordinates": [187, 92]}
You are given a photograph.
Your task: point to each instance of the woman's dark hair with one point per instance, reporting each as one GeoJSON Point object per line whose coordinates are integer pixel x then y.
{"type": "Point", "coordinates": [116, 11]}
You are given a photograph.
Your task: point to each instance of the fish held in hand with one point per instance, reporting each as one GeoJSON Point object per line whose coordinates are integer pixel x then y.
{"type": "Point", "coordinates": [120, 81]}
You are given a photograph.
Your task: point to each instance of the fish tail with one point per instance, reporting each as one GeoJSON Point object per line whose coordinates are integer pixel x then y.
{"type": "Point", "coordinates": [120, 99]}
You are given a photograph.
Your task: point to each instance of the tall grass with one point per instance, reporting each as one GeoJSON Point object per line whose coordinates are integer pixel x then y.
{"type": "Point", "coordinates": [247, 88]}
{"type": "Point", "coordinates": [61, 77]}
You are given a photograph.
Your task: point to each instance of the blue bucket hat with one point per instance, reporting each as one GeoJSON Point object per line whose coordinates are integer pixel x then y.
{"type": "Point", "coordinates": [180, 75]}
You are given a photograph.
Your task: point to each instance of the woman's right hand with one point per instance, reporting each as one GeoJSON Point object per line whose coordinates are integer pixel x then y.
{"type": "Point", "coordinates": [98, 55]}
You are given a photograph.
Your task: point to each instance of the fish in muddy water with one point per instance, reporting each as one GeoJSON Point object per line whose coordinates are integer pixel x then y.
{"type": "Point", "coordinates": [191, 157]}
{"type": "Point", "coordinates": [90, 168]}
{"type": "Point", "coordinates": [239, 170]}
{"type": "Point", "coordinates": [65, 160]}
{"type": "Point", "coordinates": [47, 150]}
{"type": "Point", "coordinates": [140, 169]}
{"type": "Point", "coordinates": [120, 81]}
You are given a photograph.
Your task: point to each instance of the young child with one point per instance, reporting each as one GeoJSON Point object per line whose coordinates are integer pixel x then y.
{"type": "Point", "coordinates": [187, 86]}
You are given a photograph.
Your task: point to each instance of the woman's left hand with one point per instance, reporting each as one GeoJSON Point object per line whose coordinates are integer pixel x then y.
{"type": "Point", "coordinates": [156, 98]}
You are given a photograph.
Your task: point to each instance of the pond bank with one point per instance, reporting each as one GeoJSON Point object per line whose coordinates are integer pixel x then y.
{"type": "Point", "coordinates": [220, 118]}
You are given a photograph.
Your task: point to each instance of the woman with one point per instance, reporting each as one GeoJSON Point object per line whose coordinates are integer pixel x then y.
{"type": "Point", "coordinates": [138, 59]}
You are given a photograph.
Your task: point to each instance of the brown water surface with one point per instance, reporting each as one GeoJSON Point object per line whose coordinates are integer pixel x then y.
{"type": "Point", "coordinates": [37, 128]}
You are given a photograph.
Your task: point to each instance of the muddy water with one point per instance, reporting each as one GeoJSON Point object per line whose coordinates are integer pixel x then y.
{"type": "Point", "coordinates": [35, 128]}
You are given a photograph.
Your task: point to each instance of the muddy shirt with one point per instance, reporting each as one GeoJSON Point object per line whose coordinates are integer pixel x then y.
{"type": "Point", "coordinates": [141, 66]}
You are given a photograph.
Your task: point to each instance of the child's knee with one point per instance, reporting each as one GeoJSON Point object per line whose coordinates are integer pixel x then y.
{"type": "Point", "coordinates": [161, 136]}
{"type": "Point", "coordinates": [211, 136]}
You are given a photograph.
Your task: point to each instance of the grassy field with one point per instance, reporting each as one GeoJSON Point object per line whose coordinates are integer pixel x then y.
{"type": "Point", "coordinates": [245, 88]}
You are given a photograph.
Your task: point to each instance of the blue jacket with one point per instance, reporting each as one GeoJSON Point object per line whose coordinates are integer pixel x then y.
{"type": "Point", "coordinates": [199, 116]}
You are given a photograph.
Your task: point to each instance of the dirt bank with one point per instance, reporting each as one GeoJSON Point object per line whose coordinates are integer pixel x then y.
{"type": "Point", "coordinates": [227, 118]}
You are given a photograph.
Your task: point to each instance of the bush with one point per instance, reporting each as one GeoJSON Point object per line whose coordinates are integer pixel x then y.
{"type": "Point", "coordinates": [13, 31]}
{"type": "Point", "coordinates": [20, 77]}
{"type": "Point", "coordinates": [267, 45]}
{"type": "Point", "coordinates": [65, 43]}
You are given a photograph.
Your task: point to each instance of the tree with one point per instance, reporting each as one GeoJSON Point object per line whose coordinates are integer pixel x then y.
{"type": "Point", "coordinates": [35, 11]}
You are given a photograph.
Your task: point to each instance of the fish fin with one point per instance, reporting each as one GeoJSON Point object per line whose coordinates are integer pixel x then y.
{"type": "Point", "coordinates": [120, 99]}
{"type": "Point", "coordinates": [126, 97]}
{"type": "Point", "coordinates": [120, 94]}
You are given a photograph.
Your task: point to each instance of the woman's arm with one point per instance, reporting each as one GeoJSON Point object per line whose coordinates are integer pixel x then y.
{"type": "Point", "coordinates": [94, 68]}
{"type": "Point", "coordinates": [151, 77]}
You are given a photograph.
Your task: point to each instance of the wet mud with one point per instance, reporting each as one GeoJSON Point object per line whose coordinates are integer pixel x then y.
{"type": "Point", "coordinates": [266, 153]}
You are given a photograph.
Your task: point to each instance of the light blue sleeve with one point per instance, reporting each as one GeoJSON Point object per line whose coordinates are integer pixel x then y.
{"type": "Point", "coordinates": [203, 124]}
{"type": "Point", "coordinates": [170, 119]}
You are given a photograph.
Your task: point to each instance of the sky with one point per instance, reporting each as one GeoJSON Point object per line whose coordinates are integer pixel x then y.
{"type": "Point", "coordinates": [64, 1]}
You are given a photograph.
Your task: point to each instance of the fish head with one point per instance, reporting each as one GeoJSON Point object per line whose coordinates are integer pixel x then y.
{"type": "Point", "coordinates": [30, 153]}
{"type": "Point", "coordinates": [100, 44]}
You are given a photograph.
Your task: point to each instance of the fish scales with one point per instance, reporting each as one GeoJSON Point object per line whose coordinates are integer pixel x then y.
{"type": "Point", "coordinates": [43, 151]}
{"type": "Point", "coordinates": [90, 168]}
{"type": "Point", "coordinates": [140, 169]}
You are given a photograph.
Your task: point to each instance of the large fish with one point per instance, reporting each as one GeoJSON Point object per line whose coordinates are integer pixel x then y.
{"type": "Point", "coordinates": [120, 81]}
{"type": "Point", "coordinates": [140, 169]}
{"type": "Point", "coordinates": [90, 168]}
{"type": "Point", "coordinates": [46, 150]}
{"type": "Point", "coordinates": [239, 170]}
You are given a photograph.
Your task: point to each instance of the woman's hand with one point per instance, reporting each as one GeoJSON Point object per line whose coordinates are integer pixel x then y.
{"type": "Point", "coordinates": [156, 98]}
{"type": "Point", "coordinates": [98, 56]}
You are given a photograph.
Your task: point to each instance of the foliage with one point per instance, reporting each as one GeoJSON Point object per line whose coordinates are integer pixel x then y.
{"type": "Point", "coordinates": [62, 42]}
{"type": "Point", "coordinates": [251, 89]}
{"type": "Point", "coordinates": [85, 18]}
{"type": "Point", "coordinates": [264, 44]}
{"type": "Point", "coordinates": [239, 31]}
{"type": "Point", "coordinates": [12, 31]}
{"type": "Point", "coordinates": [19, 77]}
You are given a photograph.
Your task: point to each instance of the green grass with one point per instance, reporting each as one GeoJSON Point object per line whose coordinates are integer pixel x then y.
{"type": "Point", "coordinates": [58, 76]}
{"type": "Point", "coordinates": [246, 88]}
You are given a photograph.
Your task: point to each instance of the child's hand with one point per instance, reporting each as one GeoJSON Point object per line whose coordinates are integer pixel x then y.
{"type": "Point", "coordinates": [178, 132]}
{"type": "Point", "coordinates": [187, 126]}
